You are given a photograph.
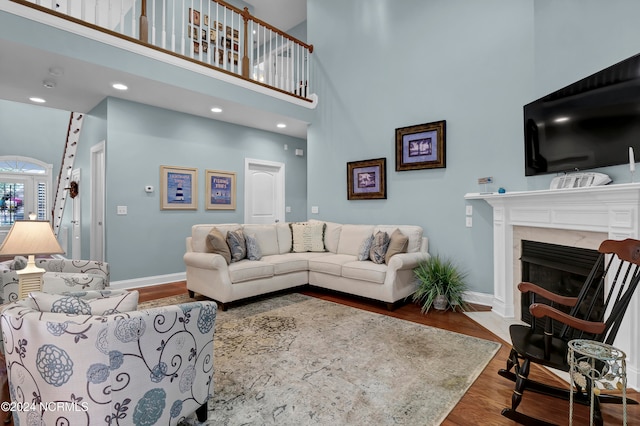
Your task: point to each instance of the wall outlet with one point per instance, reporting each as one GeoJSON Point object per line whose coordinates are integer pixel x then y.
{"type": "Point", "coordinates": [121, 210]}
{"type": "Point", "coordinates": [287, 209]}
{"type": "Point", "coordinates": [469, 221]}
{"type": "Point", "coordinates": [469, 210]}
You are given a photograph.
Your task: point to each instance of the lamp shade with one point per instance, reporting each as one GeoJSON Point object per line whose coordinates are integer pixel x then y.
{"type": "Point", "coordinates": [30, 237]}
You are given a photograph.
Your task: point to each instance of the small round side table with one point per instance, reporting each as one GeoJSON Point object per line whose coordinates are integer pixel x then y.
{"type": "Point", "coordinates": [598, 363]}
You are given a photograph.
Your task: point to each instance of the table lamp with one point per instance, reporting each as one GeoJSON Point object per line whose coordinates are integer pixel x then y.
{"type": "Point", "coordinates": [30, 238]}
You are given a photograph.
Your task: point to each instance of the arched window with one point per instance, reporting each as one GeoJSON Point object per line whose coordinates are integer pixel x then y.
{"type": "Point", "coordinates": [24, 187]}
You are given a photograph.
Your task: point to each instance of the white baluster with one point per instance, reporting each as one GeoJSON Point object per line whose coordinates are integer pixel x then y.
{"type": "Point", "coordinates": [173, 25]}
{"type": "Point", "coordinates": [153, 24]}
{"type": "Point", "coordinates": [164, 24]}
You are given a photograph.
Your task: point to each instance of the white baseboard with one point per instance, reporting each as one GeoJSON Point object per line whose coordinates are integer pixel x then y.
{"type": "Point", "coordinates": [148, 281]}
{"type": "Point", "coordinates": [478, 298]}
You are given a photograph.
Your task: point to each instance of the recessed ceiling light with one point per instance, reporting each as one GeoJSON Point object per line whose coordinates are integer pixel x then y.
{"type": "Point", "coordinates": [49, 84]}
{"type": "Point", "coordinates": [119, 86]}
{"type": "Point", "coordinates": [37, 100]}
{"type": "Point", "coordinates": [216, 110]}
{"type": "Point", "coordinates": [281, 125]}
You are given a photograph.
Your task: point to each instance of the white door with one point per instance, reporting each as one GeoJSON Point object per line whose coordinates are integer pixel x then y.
{"type": "Point", "coordinates": [76, 220]}
{"type": "Point", "coordinates": [97, 201]}
{"type": "Point", "coordinates": [263, 191]}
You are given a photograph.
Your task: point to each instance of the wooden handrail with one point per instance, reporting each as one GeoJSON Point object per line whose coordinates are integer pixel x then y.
{"type": "Point", "coordinates": [142, 39]}
{"type": "Point", "coordinates": [144, 23]}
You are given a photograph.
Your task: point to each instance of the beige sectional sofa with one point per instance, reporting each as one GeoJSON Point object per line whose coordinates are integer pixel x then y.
{"type": "Point", "coordinates": [336, 267]}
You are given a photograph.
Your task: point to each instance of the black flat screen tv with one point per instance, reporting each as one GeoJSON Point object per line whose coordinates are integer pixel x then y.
{"type": "Point", "coordinates": [588, 124]}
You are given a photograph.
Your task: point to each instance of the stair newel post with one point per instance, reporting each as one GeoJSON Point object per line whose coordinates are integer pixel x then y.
{"type": "Point", "coordinates": [246, 16]}
{"type": "Point", "coordinates": [144, 23]}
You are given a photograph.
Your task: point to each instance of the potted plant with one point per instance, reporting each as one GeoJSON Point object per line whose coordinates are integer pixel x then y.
{"type": "Point", "coordinates": [440, 284]}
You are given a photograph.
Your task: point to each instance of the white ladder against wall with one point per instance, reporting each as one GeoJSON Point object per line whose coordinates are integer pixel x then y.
{"type": "Point", "coordinates": [64, 177]}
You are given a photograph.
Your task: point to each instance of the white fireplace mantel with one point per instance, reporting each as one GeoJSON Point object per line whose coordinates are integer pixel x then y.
{"type": "Point", "coordinates": [612, 210]}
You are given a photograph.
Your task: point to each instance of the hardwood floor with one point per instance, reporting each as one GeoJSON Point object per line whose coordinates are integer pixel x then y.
{"type": "Point", "coordinates": [490, 393]}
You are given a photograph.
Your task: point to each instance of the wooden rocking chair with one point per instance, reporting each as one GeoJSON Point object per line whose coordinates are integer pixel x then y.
{"type": "Point", "coordinates": [589, 318]}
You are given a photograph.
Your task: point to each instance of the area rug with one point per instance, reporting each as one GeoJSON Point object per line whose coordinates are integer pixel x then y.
{"type": "Point", "coordinates": [298, 360]}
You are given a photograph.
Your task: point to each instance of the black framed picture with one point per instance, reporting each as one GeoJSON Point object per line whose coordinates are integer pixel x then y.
{"type": "Point", "coordinates": [421, 146]}
{"type": "Point", "coordinates": [367, 180]}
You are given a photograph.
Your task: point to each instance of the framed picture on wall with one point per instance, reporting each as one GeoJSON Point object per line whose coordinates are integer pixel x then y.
{"type": "Point", "coordinates": [367, 180]}
{"type": "Point", "coordinates": [220, 190]}
{"type": "Point", "coordinates": [421, 146]}
{"type": "Point", "coordinates": [178, 188]}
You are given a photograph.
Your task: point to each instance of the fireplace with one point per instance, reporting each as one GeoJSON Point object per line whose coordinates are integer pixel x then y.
{"type": "Point", "coordinates": [576, 217]}
{"type": "Point", "coordinates": [560, 269]}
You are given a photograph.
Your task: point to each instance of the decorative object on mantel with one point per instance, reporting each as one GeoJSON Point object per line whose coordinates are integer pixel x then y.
{"type": "Point", "coordinates": [421, 146]}
{"type": "Point", "coordinates": [367, 180]}
{"type": "Point", "coordinates": [441, 284]}
{"type": "Point", "coordinates": [632, 163]}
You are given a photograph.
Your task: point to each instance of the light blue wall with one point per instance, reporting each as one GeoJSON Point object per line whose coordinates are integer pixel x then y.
{"type": "Point", "coordinates": [33, 131]}
{"type": "Point", "coordinates": [384, 64]}
{"type": "Point", "coordinates": [149, 241]}
{"type": "Point", "coordinates": [380, 65]}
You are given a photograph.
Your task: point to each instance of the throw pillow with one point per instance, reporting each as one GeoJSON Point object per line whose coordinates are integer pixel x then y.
{"type": "Point", "coordinates": [237, 245]}
{"type": "Point", "coordinates": [105, 302]}
{"type": "Point", "coordinates": [379, 247]}
{"type": "Point", "coordinates": [307, 237]}
{"type": "Point", "coordinates": [19, 262]}
{"type": "Point", "coordinates": [365, 248]}
{"type": "Point", "coordinates": [253, 249]}
{"type": "Point", "coordinates": [398, 243]}
{"type": "Point", "coordinates": [216, 244]}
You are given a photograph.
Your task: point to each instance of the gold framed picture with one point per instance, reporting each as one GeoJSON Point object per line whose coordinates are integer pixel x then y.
{"type": "Point", "coordinates": [220, 190]}
{"type": "Point", "coordinates": [178, 188]}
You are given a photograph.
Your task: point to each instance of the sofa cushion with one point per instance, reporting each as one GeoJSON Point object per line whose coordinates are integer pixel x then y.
{"type": "Point", "coordinates": [237, 245]}
{"type": "Point", "coordinates": [331, 235]}
{"type": "Point", "coordinates": [253, 248]}
{"type": "Point", "coordinates": [92, 303]}
{"type": "Point", "coordinates": [351, 237]}
{"type": "Point", "coordinates": [307, 237]}
{"type": "Point", "coordinates": [413, 232]}
{"type": "Point", "coordinates": [330, 264]}
{"type": "Point", "coordinates": [217, 243]}
{"type": "Point", "coordinates": [247, 270]}
{"type": "Point", "coordinates": [284, 237]}
{"type": "Point", "coordinates": [365, 248]}
{"type": "Point", "coordinates": [397, 244]}
{"type": "Point", "coordinates": [287, 263]}
{"type": "Point", "coordinates": [266, 236]}
{"type": "Point", "coordinates": [199, 234]}
{"type": "Point", "coordinates": [379, 247]}
{"type": "Point", "coordinates": [365, 271]}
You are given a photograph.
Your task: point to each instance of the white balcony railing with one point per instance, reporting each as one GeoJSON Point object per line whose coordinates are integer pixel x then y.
{"type": "Point", "coordinates": [210, 32]}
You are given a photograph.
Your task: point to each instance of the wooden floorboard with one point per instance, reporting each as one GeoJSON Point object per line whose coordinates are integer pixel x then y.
{"type": "Point", "coordinates": [490, 393]}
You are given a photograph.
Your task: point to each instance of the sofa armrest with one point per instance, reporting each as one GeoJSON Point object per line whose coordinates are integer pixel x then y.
{"type": "Point", "coordinates": [402, 261]}
{"type": "Point", "coordinates": [75, 266]}
{"type": "Point", "coordinates": [205, 261]}
{"type": "Point", "coordinates": [156, 363]}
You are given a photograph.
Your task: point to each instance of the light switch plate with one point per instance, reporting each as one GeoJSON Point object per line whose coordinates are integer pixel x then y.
{"type": "Point", "coordinates": [469, 210]}
{"type": "Point", "coordinates": [469, 221]}
{"type": "Point", "coordinates": [314, 209]}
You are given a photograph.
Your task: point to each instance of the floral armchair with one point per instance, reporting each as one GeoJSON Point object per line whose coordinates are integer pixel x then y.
{"type": "Point", "coordinates": [83, 359]}
{"type": "Point", "coordinates": [63, 275]}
